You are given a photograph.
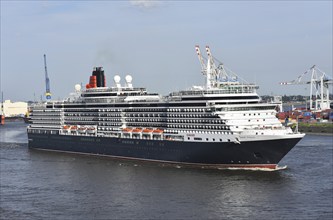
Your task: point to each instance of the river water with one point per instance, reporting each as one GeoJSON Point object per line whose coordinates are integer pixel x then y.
{"type": "Point", "coordinates": [46, 185]}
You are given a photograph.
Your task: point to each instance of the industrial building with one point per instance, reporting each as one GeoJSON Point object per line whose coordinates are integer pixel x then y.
{"type": "Point", "coordinates": [14, 109]}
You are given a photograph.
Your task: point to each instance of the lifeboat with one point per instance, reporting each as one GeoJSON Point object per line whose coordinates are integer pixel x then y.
{"type": "Point", "coordinates": [91, 130]}
{"type": "Point", "coordinates": [82, 129]}
{"type": "Point", "coordinates": [147, 130]}
{"type": "Point", "coordinates": [66, 128]}
{"type": "Point", "coordinates": [73, 128]}
{"type": "Point", "coordinates": [137, 130]}
{"type": "Point", "coordinates": [158, 131]}
{"type": "Point", "coordinates": [127, 130]}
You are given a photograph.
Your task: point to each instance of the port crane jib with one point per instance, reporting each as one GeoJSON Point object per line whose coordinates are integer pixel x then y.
{"type": "Point", "coordinates": [47, 81]}
{"type": "Point", "coordinates": [201, 60]}
{"type": "Point", "coordinates": [216, 76]}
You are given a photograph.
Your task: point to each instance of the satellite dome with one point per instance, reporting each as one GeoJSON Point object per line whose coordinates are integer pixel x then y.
{"type": "Point", "coordinates": [77, 87]}
{"type": "Point", "coordinates": [116, 79]}
{"type": "Point", "coordinates": [128, 78]}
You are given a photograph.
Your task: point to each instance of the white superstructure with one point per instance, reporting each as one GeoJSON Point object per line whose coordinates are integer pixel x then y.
{"type": "Point", "coordinates": [225, 109]}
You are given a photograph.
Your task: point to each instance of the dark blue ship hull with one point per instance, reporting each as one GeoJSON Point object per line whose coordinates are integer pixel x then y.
{"type": "Point", "coordinates": [254, 154]}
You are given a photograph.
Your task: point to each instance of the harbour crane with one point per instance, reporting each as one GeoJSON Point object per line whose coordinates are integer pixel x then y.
{"type": "Point", "coordinates": [47, 81]}
{"type": "Point", "coordinates": [215, 75]}
{"type": "Point", "coordinates": [201, 60]}
{"type": "Point", "coordinates": [319, 87]}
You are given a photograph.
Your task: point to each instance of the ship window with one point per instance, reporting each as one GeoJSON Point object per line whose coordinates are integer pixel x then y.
{"type": "Point", "coordinates": [188, 138]}
{"type": "Point", "coordinates": [228, 140]}
{"type": "Point", "coordinates": [220, 139]}
{"type": "Point", "coordinates": [213, 139]}
{"type": "Point", "coordinates": [206, 139]}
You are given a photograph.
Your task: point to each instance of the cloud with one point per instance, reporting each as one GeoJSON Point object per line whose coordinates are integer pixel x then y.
{"type": "Point", "coordinates": [144, 3]}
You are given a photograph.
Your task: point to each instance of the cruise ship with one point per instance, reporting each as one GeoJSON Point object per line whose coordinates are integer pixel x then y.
{"type": "Point", "coordinates": [220, 125]}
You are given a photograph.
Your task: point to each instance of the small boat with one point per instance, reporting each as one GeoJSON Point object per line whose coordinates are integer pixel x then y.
{"type": "Point", "coordinates": [147, 130]}
{"type": "Point", "coordinates": [91, 130]}
{"type": "Point", "coordinates": [73, 128]}
{"type": "Point", "coordinates": [127, 130]}
{"type": "Point", "coordinates": [158, 131]}
{"type": "Point", "coordinates": [82, 129]}
{"type": "Point", "coordinates": [137, 130]}
{"type": "Point", "coordinates": [66, 127]}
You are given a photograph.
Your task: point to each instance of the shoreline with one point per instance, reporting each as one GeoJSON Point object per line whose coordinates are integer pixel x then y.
{"type": "Point", "coordinates": [315, 128]}
{"type": "Point", "coordinates": [316, 133]}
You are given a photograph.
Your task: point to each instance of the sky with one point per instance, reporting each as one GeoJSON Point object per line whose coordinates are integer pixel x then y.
{"type": "Point", "coordinates": [264, 42]}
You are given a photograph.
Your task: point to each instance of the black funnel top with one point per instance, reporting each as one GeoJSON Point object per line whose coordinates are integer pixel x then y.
{"type": "Point", "coordinates": [100, 78]}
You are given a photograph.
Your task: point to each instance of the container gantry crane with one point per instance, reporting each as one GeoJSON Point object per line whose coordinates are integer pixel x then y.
{"type": "Point", "coordinates": [319, 87]}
